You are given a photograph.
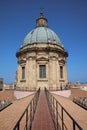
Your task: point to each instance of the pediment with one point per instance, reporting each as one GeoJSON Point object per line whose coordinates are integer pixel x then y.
{"type": "Point", "coordinates": [22, 61]}
{"type": "Point", "coordinates": [54, 57]}
{"type": "Point", "coordinates": [42, 58]}
{"type": "Point", "coordinates": [62, 61]}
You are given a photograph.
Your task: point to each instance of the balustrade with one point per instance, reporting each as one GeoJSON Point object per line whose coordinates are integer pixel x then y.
{"type": "Point", "coordinates": [60, 114]}
{"type": "Point", "coordinates": [25, 121]}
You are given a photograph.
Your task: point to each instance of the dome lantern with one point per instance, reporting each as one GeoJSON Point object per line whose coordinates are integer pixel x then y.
{"type": "Point", "coordinates": [41, 21]}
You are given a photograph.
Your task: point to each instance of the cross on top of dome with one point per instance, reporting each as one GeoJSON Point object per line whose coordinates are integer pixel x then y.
{"type": "Point", "coordinates": [41, 13]}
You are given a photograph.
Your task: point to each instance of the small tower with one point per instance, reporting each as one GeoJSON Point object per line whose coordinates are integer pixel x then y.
{"type": "Point", "coordinates": [41, 21]}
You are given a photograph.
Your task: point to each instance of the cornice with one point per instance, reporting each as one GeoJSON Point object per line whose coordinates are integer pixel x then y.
{"type": "Point", "coordinates": [38, 49]}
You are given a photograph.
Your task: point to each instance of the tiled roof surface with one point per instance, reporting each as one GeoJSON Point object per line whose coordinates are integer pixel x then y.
{"type": "Point", "coordinates": [10, 115]}
{"type": "Point", "coordinates": [78, 93]}
{"type": "Point", "coordinates": [7, 95]}
{"type": "Point", "coordinates": [78, 113]}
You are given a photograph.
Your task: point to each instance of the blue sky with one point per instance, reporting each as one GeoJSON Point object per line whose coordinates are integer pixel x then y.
{"type": "Point", "coordinates": [68, 18]}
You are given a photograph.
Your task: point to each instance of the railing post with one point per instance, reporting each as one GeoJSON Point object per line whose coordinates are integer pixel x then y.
{"type": "Point", "coordinates": [62, 117]}
{"type": "Point", "coordinates": [33, 108]}
{"type": "Point", "coordinates": [26, 118]}
{"type": "Point", "coordinates": [73, 125]}
{"type": "Point", "coordinates": [53, 110]}
{"type": "Point", "coordinates": [18, 127]}
{"type": "Point", "coordinates": [51, 103]}
{"type": "Point", "coordinates": [30, 114]}
{"type": "Point", "coordinates": [56, 115]}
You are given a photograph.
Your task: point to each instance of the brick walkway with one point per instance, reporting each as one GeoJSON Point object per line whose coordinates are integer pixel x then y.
{"type": "Point", "coordinates": [42, 119]}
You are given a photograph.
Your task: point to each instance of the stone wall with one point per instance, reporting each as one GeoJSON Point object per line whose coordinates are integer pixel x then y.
{"type": "Point", "coordinates": [41, 54]}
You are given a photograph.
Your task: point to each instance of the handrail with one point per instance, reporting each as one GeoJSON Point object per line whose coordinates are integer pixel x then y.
{"type": "Point", "coordinates": [82, 102]}
{"type": "Point", "coordinates": [28, 114]}
{"type": "Point", "coordinates": [54, 110]}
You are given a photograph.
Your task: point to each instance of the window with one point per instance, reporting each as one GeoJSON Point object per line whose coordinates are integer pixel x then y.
{"type": "Point", "coordinates": [61, 71]}
{"type": "Point", "coordinates": [23, 72]}
{"type": "Point", "coordinates": [1, 82]}
{"type": "Point", "coordinates": [42, 71]}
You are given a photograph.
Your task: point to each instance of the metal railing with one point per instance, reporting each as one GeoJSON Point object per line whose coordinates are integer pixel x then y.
{"type": "Point", "coordinates": [82, 102]}
{"type": "Point", "coordinates": [61, 118]}
{"type": "Point", "coordinates": [25, 121]}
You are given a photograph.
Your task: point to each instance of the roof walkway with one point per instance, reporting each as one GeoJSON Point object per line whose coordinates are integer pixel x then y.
{"type": "Point", "coordinates": [42, 118]}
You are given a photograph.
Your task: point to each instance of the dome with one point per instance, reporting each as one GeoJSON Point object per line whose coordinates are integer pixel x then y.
{"type": "Point", "coordinates": [41, 34]}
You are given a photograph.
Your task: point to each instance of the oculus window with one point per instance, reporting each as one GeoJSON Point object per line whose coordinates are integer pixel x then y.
{"type": "Point", "coordinates": [42, 71]}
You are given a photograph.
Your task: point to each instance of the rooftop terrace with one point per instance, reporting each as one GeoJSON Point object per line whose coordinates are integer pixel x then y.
{"type": "Point", "coordinates": [42, 118]}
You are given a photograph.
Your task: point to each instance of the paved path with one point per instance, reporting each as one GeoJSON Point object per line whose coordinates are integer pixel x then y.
{"type": "Point", "coordinates": [42, 119]}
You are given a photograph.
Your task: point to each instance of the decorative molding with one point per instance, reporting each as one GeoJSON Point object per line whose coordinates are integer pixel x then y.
{"type": "Point", "coordinates": [42, 80]}
{"type": "Point", "coordinates": [32, 58]}
{"type": "Point", "coordinates": [42, 59]}
{"type": "Point", "coordinates": [22, 80]}
{"type": "Point", "coordinates": [21, 61]}
{"type": "Point", "coordinates": [61, 80]}
{"type": "Point", "coordinates": [36, 48]}
{"type": "Point", "coordinates": [61, 61]}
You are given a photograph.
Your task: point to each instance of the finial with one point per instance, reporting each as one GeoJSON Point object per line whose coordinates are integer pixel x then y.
{"type": "Point", "coordinates": [41, 12]}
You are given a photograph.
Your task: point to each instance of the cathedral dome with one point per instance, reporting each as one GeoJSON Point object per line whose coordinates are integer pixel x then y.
{"type": "Point", "coordinates": [41, 34]}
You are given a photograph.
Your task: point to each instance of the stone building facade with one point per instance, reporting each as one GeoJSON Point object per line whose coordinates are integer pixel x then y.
{"type": "Point", "coordinates": [41, 59]}
{"type": "Point", "coordinates": [1, 84]}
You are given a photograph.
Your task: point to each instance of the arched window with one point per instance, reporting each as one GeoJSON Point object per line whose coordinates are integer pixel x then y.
{"type": "Point", "coordinates": [61, 71]}
{"type": "Point", "coordinates": [23, 72]}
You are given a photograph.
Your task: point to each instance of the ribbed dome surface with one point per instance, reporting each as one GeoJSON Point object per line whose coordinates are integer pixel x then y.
{"type": "Point", "coordinates": [41, 35]}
